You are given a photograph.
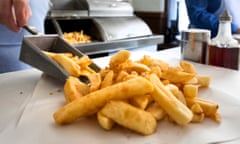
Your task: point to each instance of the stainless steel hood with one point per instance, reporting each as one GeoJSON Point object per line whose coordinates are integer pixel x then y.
{"type": "Point", "coordinates": [111, 23]}
{"type": "Point", "coordinates": [93, 8]}
{"type": "Point", "coordinates": [121, 28]}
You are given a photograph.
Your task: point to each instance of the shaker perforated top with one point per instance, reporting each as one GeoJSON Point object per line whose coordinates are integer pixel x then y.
{"type": "Point", "coordinates": [225, 16]}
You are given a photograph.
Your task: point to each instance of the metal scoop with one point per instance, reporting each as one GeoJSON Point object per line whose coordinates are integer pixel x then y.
{"type": "Point", "coordinates": [31, 53]}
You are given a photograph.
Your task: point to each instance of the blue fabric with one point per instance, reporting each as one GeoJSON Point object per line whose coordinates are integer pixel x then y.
{"type": "Point", "coordinates": [205, 14]}
{"type": "Point", "coordinates": [10, 42]}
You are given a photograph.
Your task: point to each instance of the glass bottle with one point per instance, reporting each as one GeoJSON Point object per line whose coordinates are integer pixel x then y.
{"type": "Point", "coordinates": [223, 50]}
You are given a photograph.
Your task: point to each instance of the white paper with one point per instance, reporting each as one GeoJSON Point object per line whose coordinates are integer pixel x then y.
{"type": "Point", "coordinates": [35, 123]}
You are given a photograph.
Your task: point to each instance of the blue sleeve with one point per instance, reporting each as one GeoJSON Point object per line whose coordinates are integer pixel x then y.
{"type": "Point", "coordinates": [200, 16]}
{"type": "Point", "coordinates": [200, 13]}
{"type": "Point", "coordinates": [234, 28]}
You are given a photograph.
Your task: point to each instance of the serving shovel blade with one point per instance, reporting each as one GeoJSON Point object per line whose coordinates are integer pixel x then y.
{"type": "Point", "coordinates": [31, 53]}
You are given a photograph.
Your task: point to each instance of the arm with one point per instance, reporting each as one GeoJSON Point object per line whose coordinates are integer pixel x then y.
{"type": "Point", "coordinates": [14, 13]}
{"type": "Point", "coordinates": [200, 15]}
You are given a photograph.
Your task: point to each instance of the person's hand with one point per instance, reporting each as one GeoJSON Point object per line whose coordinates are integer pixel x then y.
{"type": "Point", "coordinates": [14, 13]}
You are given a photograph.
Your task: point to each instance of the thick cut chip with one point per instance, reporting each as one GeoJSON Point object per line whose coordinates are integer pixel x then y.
{"type": "Point", "coordinates": [188, 67]}
{"type": "Point", "coordinates": [216, 117]}
{"type": "Point", "coordinates": [68, 64]}
{"type": "Point", "coordinates": [140, 101]}
{"type": "Point", "coordinates": [162, 64]}
{"type": "Point", "coordinates": [83, 61]}
{"type": "Point", "coordinates": [74, 88]}
{"type": "Point", "coordinates": [94, 101]}
{"type": "Point", "coordinates": [52, 54]}
{"type": "Point", "coordinates": [95, 80]}
{"type": "Point", "coordinates": [179, 112]}
{"type": "Point", "coordinates": [177, 76]}
{"type": "Point", "coordinates": [209, 107]}
{"type": "Point", "coordinates": [180, 96]}
{"type": "Point", "coordinates": [121, 76]}
{"type": "Point", "coordinates": [108, 79]}
{"type": "Point", "coordinates": [194, 80]}
{"type": "Point", "coordinates": [190, 91]}
{"type": "Point", "coordinates": [196, 108]}
{"type": "Point", "coordinates": [157, 70]}
{"type": "Point", "coordinates": [197, 118]}
{"type": "Point", "coordinates": [147, 60]}
{"type": "Point", "coordinates": [173, 88]}
{"type": "Point", "coordinates": [130, 117]}
{"type": "Point", "coordinates": [134, 66]}
{"type": "Point", "coordinates": [156, 110]}
{"type": "Point", "coordinates": [203, 81]}
{"type": "Point", "coordinates": [198, 114]}
{"type": "Point", "coordinates": [119, 58]}
{"type": "Point", "coordinates": [105, 122]}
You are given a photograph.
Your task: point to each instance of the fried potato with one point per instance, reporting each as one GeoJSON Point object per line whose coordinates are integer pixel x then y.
{"type": "Point", "coordinates": [179, 112]}
{"type": "Point", "coordinates": [146, 60]}
{"type": "Point", "coordinates": [74, 88]}
{"type": "Point", "coordinates": [130, 76]}
{"type": "Point", "coordinates": [138, 67]}
{"type": "Point", "coordinates": [52, 54]}
{"type": "Point", "coordinates": [68, 64]}
{"type": "Point", "coordinates": [83, 61]}
{"type": "Point", "coordinates": [188, 67]}
{"type": "Point", "coordinates": [105, 122]}
{"type": "Point", "coordinates": [176, 92]}
{"type": "Point", "coordinates": [203, 81]}
{"type": "Point", "coordinates": [197, 118]}
{"type": "Point", "coordinates": [156, 110]}
{"type": "Point", "coordinates": [92, 102]}
{"type": "Point", "coordinates": [95, 80]}
{"type": "Point", "coordinates": [194, 81]}
{"type": "Point", "coordinates": [121, 76]}
{"type": "Point", "coordinates": [196, 108]}
{"type": "Point", "coordinates": [209, 107]}
{"type": "Point", "coordinates": [140, 101]}
{"type": "Point", "coordinates": [136, 94]}
{"type": "Point", "coordinates": [162, 64]}
{"type": "Point", "coordinates": [216, 117]}
{"type": "Point", "coordinates": [198, 114]}
{"type": "Point", "coordinates": [130, 117]}
{"type": "Point", "coordinates": [190, 91]}
{"type": "Point", "coordinates": [108, 79]}
{"type": "Point", "coordinates": [157, 70]}
{"type": "Point", "coordinates": [173, 88]}
{"type": "Point", "coordinates": [76, 37]}
{"type": "Point", "coordinates": [180, 96]}
{"type": "Point", "coordinates": [177, 76]}
{"type": "Point", "coordinates": [86, 71]}
{"type": "Point", "coordinates": [119, 57]}
{"type": "Point", "coordinates": [49, 54]}
{"type": "Point", "coordinates": [74, 65]}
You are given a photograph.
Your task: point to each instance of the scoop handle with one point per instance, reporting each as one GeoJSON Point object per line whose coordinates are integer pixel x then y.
{"type": "Point", "coordinates": [33, 30]}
